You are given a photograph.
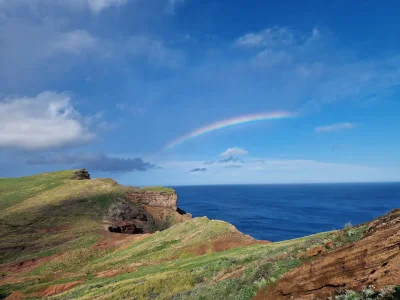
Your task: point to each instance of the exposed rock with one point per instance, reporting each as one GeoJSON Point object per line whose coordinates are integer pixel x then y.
{"type": "Point", "coordinates": [146, 218]}
{"type": "Point", "coordinates": [82, 174]}
{"type": "Point", "coordinates": [124, 211]}
{"type": "Point", "coordinates": [114, 228]}
{"type": "Point", "coordinates": [329, 245]}
{"type": "Point", "coordinates": [160, 208]}
{"type": "Point", "coordinates": [181, 211]}
{"type": "Point", "coordinates": [129, 229]}
{"type": "Point", "coordinates": [373, 260]}
{"type": "Point", "coordinates": [125, 228]}
{"type": "Point", "coordinates": [315, 251]}
{"type": "Point", "coordinates": [165, 217]}
{"type": "Point", "coordinates": [159, 199]}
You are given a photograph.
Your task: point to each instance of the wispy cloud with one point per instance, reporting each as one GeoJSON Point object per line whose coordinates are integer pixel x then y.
{"type": "Point", "coordinates": [334, 127]}
{"type": "Point", "coordinates": [98, 5]}
{"type": "Point", "coordinates": [271, 171]}
{"type": "Point", "coordinates": [270, 37]}
{"type": "Point", "coordinates": [95, 162]}
{"type": "Point", "coordinates": [197, 170]}
{"type": "Point", "coordinates": [234, 151]}
{"type": "Point", "coordinates": [154, 50]}
{"type": "Point", "coordinates": [231, 159]}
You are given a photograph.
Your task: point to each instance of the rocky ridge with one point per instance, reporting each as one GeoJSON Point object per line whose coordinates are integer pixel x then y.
{"type": "Point", "coordinates": [372, 261]}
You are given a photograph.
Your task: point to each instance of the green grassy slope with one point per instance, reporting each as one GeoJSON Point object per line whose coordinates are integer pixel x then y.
{"type": "Point", "coordinates": [59, 219]}
{"type": "Point", "coordinates": [50, 213]}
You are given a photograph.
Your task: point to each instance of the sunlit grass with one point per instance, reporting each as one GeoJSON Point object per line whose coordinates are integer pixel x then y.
{"type": "Point", "coordinates": [50, 214]}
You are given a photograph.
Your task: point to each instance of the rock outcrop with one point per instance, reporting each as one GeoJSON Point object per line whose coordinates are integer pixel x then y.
{"type": "Point", "coordinates": [81, 174]}
{"type": "Point", "coordinates": [373, 260]}
{"type": "Point", "coordinates": [123, 210]}
{"type": "Point", "coordinates": [157, 199]}
{"type": "Point", "coordinates": [127, 229]}
{"type": "Point", "coordinates": [145, 211]}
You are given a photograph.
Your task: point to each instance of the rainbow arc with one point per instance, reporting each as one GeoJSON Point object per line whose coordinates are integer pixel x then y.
{"type": "Point", "coordinates": [231, 122]}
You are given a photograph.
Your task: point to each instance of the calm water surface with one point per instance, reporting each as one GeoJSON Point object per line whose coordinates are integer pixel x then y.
{"type": "Point", "coordinates": [280, 212]}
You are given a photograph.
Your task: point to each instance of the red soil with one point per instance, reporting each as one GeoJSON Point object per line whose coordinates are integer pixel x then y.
{"type": "Point", "coordinates": [228, 241]}
{"type": "Point", "coordinates": [57, 289]}
{"type": "Point", "coordinates": [373, 260]}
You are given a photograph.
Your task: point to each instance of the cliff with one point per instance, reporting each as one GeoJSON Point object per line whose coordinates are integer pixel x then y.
{"type": "Point", "coordinates": [145, 211]}
{"type": "Point", "coordinates": [150, 197]}
{"type": "Point", "coordinates": [62, 238]}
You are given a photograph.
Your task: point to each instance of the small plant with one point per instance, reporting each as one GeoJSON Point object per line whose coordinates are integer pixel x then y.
{"type": "Point", "coordinates": [369, 293]}
{"type": "Point", "coordinates": [348, 226]}
{"type": "Point", "coordinates": [349, 295]}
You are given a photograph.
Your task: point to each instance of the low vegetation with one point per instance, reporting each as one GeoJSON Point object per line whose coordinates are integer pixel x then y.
{"type": "Point", "coordinates": [370, 293]}
{"type": "Point", "coordinates": [53, 225]}
{"type": "Point", "coordinates": [159, 189]}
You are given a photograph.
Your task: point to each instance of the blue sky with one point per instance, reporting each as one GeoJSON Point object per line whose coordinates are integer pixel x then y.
{"type": "Point", "coordinates": [107, 84]}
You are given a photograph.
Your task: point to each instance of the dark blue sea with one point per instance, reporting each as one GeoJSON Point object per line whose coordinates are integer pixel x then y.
{"type": "Point", "coordinates": [281, 212]}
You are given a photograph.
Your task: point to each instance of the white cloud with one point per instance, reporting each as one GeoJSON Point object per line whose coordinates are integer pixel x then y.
{"type": "Point", "coordinates": [235, 151]}
{"type": "Point", "coordinates": [334, 127]}
{"type": "Point", "coordinates": [46, 121]}
{"type": "Point", "coordinates": [75, 42]}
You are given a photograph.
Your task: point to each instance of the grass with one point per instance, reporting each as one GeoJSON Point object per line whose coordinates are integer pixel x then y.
{"type": "Point", "coordinates": [164, 276]}
{"type": "Point", "coordinates": [159, 189]}
{"type": "Point", "coordinates": [67, 211]}
{"type": "Point", "coordinates": [50, 214]}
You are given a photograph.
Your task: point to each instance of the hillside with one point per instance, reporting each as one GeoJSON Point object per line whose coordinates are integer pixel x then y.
{"type": "Point", "coordinates": [56, 243]}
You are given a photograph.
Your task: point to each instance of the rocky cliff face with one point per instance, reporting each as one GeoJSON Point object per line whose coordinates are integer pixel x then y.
{"type": "Point", "coordinates": [157, 199]}
{"type": "Point", "coordinates": [372, 261]}
{"type": "Point", "coordinates": [145, 212]}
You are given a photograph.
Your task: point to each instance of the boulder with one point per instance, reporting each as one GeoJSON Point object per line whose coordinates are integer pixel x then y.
{"type": "Point", "coordinates": [315, 251]}
{"type": "Point", "coordinates": [82, 174]}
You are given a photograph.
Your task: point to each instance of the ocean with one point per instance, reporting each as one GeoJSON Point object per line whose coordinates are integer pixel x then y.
{"type": "Point", "coordinates": [281, 212]}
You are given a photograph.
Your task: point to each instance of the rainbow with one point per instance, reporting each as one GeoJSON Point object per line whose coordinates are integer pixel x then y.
{"type": "Point", "coordinates": [230, 122]}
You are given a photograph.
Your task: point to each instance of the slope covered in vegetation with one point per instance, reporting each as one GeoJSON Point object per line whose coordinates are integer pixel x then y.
{"type": "Point", "coordinates": [54, 243]}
